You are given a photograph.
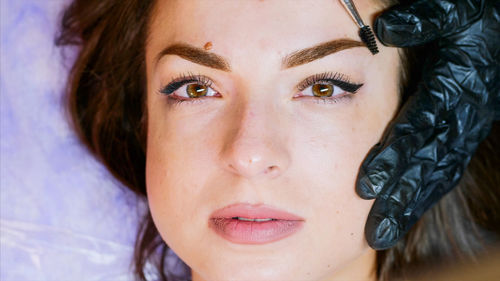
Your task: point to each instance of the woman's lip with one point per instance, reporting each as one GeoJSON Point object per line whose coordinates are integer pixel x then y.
{"type": "Point", "coordinates": [252, 232]}
{"type": "Point", "coordinates": [253, 211]}
{"type": "Point", "coordinates": [224, 222]}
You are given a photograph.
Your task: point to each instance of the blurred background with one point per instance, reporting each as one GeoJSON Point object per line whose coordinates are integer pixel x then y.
{"type": "Point", "coordinates": [62, 216]}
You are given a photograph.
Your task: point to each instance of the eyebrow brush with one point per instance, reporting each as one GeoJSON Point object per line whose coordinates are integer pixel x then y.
{"type": "Point", "coordinates": [365, 32]}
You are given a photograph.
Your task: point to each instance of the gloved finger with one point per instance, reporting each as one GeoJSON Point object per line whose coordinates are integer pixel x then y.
{"type": "Point", "coordinates": [404, 203]}
{"type": "Point", "coordinates": [377, 172]}
{"type": "Point", "coordinates": [381, 230]}
{"type": "Point", "coordinates": [388, 219]}
{"type": "Point", "coordinates": [427, 154]}
{"type": "Point", "coordinates": [425, 21]}
{"type": "Point", "coordinates": [364, 186]}
{"type": "Point", "coordinates": [384, 165]}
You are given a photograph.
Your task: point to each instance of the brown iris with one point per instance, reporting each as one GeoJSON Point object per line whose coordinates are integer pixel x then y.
{"type": "Point", "coordinates": [322, 90]}
{"type": "Point", "coordinates": [196, 90]}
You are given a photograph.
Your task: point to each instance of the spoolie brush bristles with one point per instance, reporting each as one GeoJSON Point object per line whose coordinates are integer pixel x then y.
{"type": "Point", "coordinates": [368, 37]}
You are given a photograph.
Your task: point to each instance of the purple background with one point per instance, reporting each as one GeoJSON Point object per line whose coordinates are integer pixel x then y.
{"type": "Point", "coordinates": [62, 216]}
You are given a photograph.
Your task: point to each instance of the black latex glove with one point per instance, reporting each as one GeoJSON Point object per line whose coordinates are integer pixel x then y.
{"type": "Point", "coordinates": [425, 151]}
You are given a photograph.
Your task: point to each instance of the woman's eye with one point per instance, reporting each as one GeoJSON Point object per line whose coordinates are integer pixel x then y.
{"type": "Point", "coordinates": [323, 90]}
{"type": "Point", "coordinates": [327, 87]}
{"type": "Point", "coordinates": [196, 90]}
{"type": "Point", "coordinates": [189, 92]}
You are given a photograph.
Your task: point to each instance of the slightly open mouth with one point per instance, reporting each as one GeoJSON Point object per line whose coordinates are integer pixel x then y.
{"type": "Point", "coordinates": [242, 230]}
{"type": "Point", "coordinates": [256, 220]}
{"type": "Point", "coordinates": [245, 223]}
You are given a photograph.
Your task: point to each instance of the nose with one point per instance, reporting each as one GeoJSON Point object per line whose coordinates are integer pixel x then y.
{"type": "Point", "coordinates": [255, 144]}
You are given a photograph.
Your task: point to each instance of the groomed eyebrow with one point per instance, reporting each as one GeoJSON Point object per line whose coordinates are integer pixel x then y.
{"type": "Point", "coordinates": [296, 58]}
{"type": "Point", "coordinates": [319, 51]}
{"type": "Point", "coordinates": [196, 55]}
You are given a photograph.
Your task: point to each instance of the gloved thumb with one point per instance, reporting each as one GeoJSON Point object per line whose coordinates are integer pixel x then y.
{"type": "Point", "coordinates": [425, 21]}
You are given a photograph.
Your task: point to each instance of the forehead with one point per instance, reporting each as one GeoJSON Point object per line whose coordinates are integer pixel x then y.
{"type": "Point", "coordinates": [238, 28]}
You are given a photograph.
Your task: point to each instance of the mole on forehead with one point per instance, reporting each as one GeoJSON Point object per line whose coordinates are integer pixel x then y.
{"type": "Point", "coordinates": [208, 46]}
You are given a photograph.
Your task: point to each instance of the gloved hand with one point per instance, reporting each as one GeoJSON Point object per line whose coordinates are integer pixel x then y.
{"type": "Point", "coordinates": [432, 139]}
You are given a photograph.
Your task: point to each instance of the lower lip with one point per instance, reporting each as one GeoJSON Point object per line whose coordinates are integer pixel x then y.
{"type": "Point", "coordinates": [251, 232]}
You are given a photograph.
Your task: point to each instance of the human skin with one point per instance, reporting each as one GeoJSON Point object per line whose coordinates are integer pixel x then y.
{"type": "Point", "coordinates": [217, 151]}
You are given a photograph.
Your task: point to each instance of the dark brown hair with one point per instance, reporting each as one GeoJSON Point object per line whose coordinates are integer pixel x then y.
{"type": "Point", "coordinates": [106, 103]}
{"type": "Point", "coordinates": [106, 96]}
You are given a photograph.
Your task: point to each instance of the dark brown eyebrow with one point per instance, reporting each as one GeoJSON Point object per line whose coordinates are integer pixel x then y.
{"type": "Point", "coordinates": [196, 55]}
{"type": "Point", "coordinates": [319, 51]}
{"type": "Point", "coordinates": [200, 56]}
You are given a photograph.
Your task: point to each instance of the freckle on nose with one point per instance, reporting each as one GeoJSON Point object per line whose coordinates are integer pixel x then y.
{"type": "Point", "coordinates": [271, 169]}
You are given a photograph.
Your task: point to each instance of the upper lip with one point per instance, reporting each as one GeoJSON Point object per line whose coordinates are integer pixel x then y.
{"type": "Point", "coordinates": [253, 211]}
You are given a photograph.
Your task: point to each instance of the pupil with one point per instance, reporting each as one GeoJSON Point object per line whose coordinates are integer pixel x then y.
{"type": "Point", "coordinates": [196, 90]}
{"type": "Point", "coordinates": [322, 90]}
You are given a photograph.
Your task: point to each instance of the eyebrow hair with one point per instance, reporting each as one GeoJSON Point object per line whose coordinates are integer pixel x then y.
{"type": "Point", "coordinates": [319, 51]}
{"type": "Point", "coordinates": [196, 55]}
{"type": "Point", "coordinates": [296, 58]}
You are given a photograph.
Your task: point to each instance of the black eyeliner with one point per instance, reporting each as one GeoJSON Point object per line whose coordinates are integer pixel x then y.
{"type": "Point", "coordinates": [184, 79]}
{"type": "Point", "coordinates": [335, 79]}
{"type": "Point", "coordinates": [173, 86]}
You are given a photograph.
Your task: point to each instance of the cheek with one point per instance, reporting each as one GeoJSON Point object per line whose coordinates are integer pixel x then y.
{"type": "Point", "coordinates": [161, 175]}
{"type": "Point", "coordinates": [331, 154]}
{"type": "Point", "coordinates": [178, 165]}
{"type": "Point", "coordinates": [328, 161]}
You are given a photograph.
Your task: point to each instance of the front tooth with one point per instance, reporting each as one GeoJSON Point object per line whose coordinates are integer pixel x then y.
{"type": "Point", "coordinates": [244, 219]}
{"type": "Point", "coordinates": [257, 220]}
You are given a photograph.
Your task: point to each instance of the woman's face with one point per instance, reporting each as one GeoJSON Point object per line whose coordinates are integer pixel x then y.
{"type": "Point", "coordinates": [256, 131]}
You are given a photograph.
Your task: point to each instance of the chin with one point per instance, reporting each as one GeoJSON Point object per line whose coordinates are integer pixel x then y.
{"type": "Point", "coordinates": [246, 272]}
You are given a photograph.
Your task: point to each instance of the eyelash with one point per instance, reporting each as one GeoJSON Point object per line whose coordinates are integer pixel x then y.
{"type": "Point", "coordinates": [332, 78]}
